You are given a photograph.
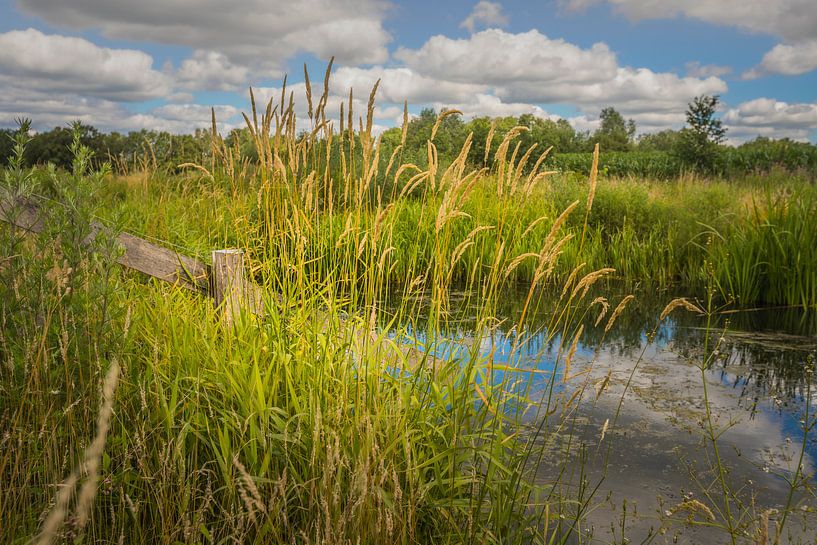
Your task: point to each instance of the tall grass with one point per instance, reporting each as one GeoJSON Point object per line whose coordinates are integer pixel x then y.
{"type": "Point", "coordinates": [755, 237]}
{"type": "Point", "coordinates": [339, 416]}
{"type": "Point", "coordinates": [309, 424]}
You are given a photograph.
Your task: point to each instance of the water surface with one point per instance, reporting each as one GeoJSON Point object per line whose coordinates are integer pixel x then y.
{"type": "Point", "coordinates": [638, 433]}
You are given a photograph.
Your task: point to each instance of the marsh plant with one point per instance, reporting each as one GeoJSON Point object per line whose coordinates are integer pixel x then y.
{"type": "Point", "coordinates": [132, 413]}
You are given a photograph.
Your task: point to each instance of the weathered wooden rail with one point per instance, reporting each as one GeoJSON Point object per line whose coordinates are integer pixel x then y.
{"type": "Point", "coordinates": [224, 280]}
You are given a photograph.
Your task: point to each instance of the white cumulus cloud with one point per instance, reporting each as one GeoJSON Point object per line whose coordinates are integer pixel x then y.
{"type": "Point", "coordinates": [494, 57]}
{"type": "Point", "coordinates": [795, 21]}
{"type": "Point", "coordinates": [211, 70]}
{"type": "Point", "coordinates": [262, 34]}
{"type": "Point", "coordinates": [772, 118]}
{"type": "Point", "coordinates": [29, 58]}
{"type": "Point", "coordinates": [790, 19]}
{"type": "Point", "coordinates": [49, 111]}
{"type": "Point", "coordinates": [401, 84]}
{"type": "Point", "coordinates": [523, 71]}
{"type": "Point", "coordinates": [485, 14]}
{"type": "Point", "coordinates": [697, 70]}
{"type": "Point", "coordinates": [789, 60]}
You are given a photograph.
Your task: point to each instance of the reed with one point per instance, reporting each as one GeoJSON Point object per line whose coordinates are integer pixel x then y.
{"type": "Point", "coordinates": [343, 414]}
{"type": "Point", "coordinates": [311, 424]}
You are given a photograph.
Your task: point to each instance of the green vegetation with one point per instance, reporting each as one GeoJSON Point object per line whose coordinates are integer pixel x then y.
{"type": "Point", "coordinates": [663, 155]}
{"type": "Point", "coordinates": [132, 413]}
{"type": "Point", "coordinates": [755, 237]}
{"type": "Point", "coordinates": [698, 142]}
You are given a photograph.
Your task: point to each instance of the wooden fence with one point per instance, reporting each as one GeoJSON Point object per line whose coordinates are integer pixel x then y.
{"type": "Point", "coordinates": [224, 281]}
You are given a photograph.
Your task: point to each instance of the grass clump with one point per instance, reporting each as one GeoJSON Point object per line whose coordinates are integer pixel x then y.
{"type": "Point", "coordinates": [152, 421]}
{"type": "Point", "coordinates": [341, 415]}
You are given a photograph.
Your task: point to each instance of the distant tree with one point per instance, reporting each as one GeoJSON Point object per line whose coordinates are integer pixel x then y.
{"type": "Point", "coordinates": [55, 146]}
{"type": "Point", "coordinates": [546, 132]}
{"type": "Point", "coordinates": [614, 134]}
{"type": "Point", "coordinates": [449, 138]}
{"type": "Point", "coordinates": [665, 140]}
{"type": "Point", "coordinates": [481, 126]}
{"type": "Point", "coordinates": [419, 130]}
{"type": "Point", "coordinates": [242, 138]}
{"type": "Point", "coordinates": [699, 141]}
{"type": "Point", "coordinates": [6, 145]}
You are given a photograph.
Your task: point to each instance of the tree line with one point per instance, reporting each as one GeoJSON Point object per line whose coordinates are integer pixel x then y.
{"type": "Point", "coordinates": [698, 146]}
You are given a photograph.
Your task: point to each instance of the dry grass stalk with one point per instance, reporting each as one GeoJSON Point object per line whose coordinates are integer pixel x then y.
{"type": "Point", "coordinates": [589, 279]}
{"type": "Point", "coordinates": [604, 429]}
{"type": "Point", "coordinates": [308, 93]}
{"type": "Point", "coordinates": [93, 455]}
{"type": "Point", "coordinates": [523, 162]}
{"type": "Point", "coordinates": [693, 507]}
{"type": "Point", "coordinates": [340, 131]}
{"type": "Point", "coordinates": [350, 125]}
{"type": "Point", "coordinates": [594, 176]}
{"type": "Point", "coordinates": [466, 185]}
{"type": "Point", "coordinates": [457, 167]}
{"type": "Point", "coordinates": [378, 223]}
{"type": "Point", "coordinates": [445, 215]}
{"type": "Point", "coordinates": [572, 352]}
{"type": "Point", "coordinates": [603, 384]}
{"type": "Point", "coordinates": [532, 225]}
{"type": "Point", "coordinates": [382, 263]}
{"type": "Point", "coordinates": [518, 260]}
{"type": "Point", "coordinates": [554, 229]}
{"type": "Point", "coordinates": [459, 250]}
{"type": "Point", "coordinates": [53, 523]}
{"type": "Point", "coordinates": [414, 182]}
{"type": "Point", "coordinates": [535, 170]}
{"type": "Point", "coordinates": [501, 153]}
{"type": "Point", "coordinates": [680, 302]}
{"type": "Point", "coordinates": [571, 278]}
{"type": "Point", "coordinates": [605, 306]}
{"type": "Point", "coordinates": [248, 491]}
{"type": "Point", "coordinates": [431, 161]}
{"type": "Point", "coordinates": [91, 463]}
{"type": "Point", "coordinates": [591, 194]}
{"type": "Point", "coordinates": [527, 189]}
{"type": "Point", "coordinates": [404, 129]}
{"type": "Point", "coordinates": [197, 167]}
{"type": "Point", "coordinates": [510, 169]}
{"type": "Point", "coordinates": [403, 168]}
{"type": "Point", "coordinates": [370, 172]}
{"type": "Point", "coordinates": [394, 155]}
{"type": "Point", "coordinates": [547, 259]}
{"type": "Point", "coordinates": [321, 109]}
{"type": "Point", "coordinates": [617, 312]}
{"type": "Point", "coordinates": [488, 141]}
{"type": "Point", "coordinates": [762, 533]}
{"type": "Point", "coordinates": [440, 118]}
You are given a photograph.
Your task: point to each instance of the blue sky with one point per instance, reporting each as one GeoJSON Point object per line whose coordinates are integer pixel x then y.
{"type": "Point", "coordinates": [158, 64]}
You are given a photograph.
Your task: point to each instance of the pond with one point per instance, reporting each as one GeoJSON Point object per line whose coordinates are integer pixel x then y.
{"type": "Point", "coordinates": [636, 446]}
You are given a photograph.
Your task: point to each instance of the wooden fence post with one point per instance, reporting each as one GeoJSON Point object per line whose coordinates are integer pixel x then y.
{"type": "Point", "coordinates": [228, 283]}
{"type": "Point", "coordinates": [230, 289]}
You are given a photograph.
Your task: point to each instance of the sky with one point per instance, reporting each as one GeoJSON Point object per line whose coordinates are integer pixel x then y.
{"type": "Point", "coordinates": [161, 64]}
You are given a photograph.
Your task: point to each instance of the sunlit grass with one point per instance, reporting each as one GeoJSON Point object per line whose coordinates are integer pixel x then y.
{"type": "Point", "coordinates": [319, 421]}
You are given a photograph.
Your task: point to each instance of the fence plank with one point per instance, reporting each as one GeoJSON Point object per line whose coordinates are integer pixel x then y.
{"type": "Point", "coordinates": [230, 288]}
{"type": "Point", "coordinates": [21, 213]}
{"type": "Point", "coordinates": [139, 254]}
{"type": "Point", "coordinates": [163, 264]}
